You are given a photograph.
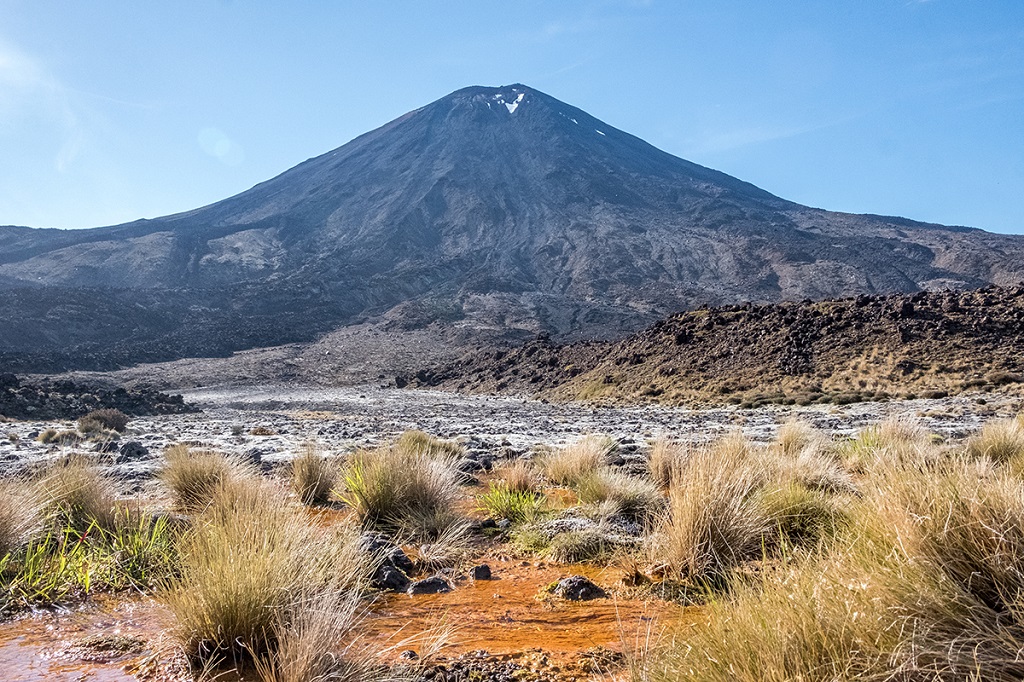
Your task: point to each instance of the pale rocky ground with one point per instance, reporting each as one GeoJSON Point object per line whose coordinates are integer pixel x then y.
{"type": "Point", "coordinates": [340, 420]}
{"type": "Point", "coordinates": [355, 355]}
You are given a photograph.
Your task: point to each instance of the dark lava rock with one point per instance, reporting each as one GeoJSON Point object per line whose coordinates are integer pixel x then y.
{"type": "Point", "coordinates": [389, 554]}
{"type": "Point", "coordinates": [741, 354]}
{"type": "Point", "coordinates": [63, 399]}
{"type": "Point", "coordinates": [481, 572]}
{"type": "Point", "coordinates": [397, 558]}
{"type": "Point", "coordinates": [578, 588]}
{"type": "Point", "coordinates": [106, 446]}
{"type": "Point", "coordinates": [132, 451]}
{"type": "Point", "coordinates": [374, 543]}
{"type": "Point", "coordinates": [255, 456]}
{"type": "Point", "coordinates": [478, 665]}
{"type": "Point", "coordinates": [469, 466]}
{"type": "Point", "coordinates": [433, 585]}
{"type": "Point", "coordinates": [389, 578]}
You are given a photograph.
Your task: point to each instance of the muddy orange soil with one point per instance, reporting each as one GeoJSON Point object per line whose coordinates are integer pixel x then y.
{"type": "Point", "coordinates": [110, 639]}
{"type": "Point", "coordinates": [118, 639]}
{"type": "Point", "coordinates": [512, 613]}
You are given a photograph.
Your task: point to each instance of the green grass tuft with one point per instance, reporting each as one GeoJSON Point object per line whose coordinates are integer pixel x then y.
{"type": "Point", "coordinates": [503, 502]}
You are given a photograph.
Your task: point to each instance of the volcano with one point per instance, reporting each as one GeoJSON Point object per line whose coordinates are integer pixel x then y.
{"type": "Point", "coordinates": [494, 210]}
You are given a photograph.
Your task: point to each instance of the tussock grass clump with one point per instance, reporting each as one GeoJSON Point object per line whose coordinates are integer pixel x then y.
{"type": "Point", "coordinates": [313, 476]}
{"type": "Point", "coordinates": [1000, 440]}
{"type": "Point", "coordinates": [794, 436]}
{"type": "Point", "coordinates": [814, 467]}
{"type": "Point", "coordinates": [898, 439]}
{"type": "Point", "coordinates": [63, 563]}
{"type": "Point", "coordinates": [519, 476]}
{"type": "Point", "coordinates": [54, 437]}
{"type": "Point", "coordinates": [529, 539]}
{"type": "Point", "coordinates": [582, 546]}
{"type": "Point", "coordinates": [969, 524]}
{"type": "Point", "coordinates": [310, 638]}
{"type": "Point", "coordinates": [88, 425]}
{"type": "Point", "coordinates": [923, 582]}
{"type": "Point", "coordinates": [73, 493]}
{"type": "Point", "coordinates": [791, 625]}
{"type": "Point", "coordinates": [193, 475]}
{"type": "Point", "coordinates": [566, 466]}
{"type": "Point", "coordinates": [19, 516]}
{"type": "Point", "coordinates": [47, 436]}
{"type": "Point", "coordinates": [403, 487]}
{"type": "Point", "coordinates": [632, 497]}
{"type": "Point", "coordinates": [105, 419]}
{"type": "Point", "coordinates": [141, 547]}
{"type": "Point", "coordinates": [714, 520]}
{"type": "Point", "coordinates": [801, 515]}
{"type": "Point", "coordinates": [420, 442]}
{"type": "Point", "coordinates": [734, 447]}
{"type": "Point", "coordinates": [666, 459]}
{"type": "Point", "coordinates": [501, 501]}
{"type": "Point", "coordinates": [242, 567]}
{"type": "Point", "coordinates": [450, 547]}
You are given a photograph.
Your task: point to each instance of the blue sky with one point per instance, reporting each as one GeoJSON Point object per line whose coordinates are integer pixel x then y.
{"type": "Point", "coordinates": [117, 110]}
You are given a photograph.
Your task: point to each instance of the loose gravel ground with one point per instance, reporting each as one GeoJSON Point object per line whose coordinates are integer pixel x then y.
{"type": "Point", "coordinates": [342, 419]}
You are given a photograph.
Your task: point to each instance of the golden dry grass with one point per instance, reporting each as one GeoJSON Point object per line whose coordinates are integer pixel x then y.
{"type": "Point", "coordinates": [73, 493]}
{"type": "Point", "coordinates": [19, 515]}
{"type": "Point", "coordinates": [636, 498]}
{"type": "Point", "coordinates": [714, 520]}
{"type": "Point", "coordinates": [1000, 440]}
{"type": "Point", "coordinates": [795, 436]}
{"type": "Point", "coordinates": [922, 581]}
{"type": "Point", "coordinates": [567, 465]}
{"type": "Point", "coordinates": [519, 476]}
{"type": "Point", "coordinates": [243, 565]}
{"type": "Point", "coordinates": [310, 642]}
{"type": "Point", "coordinates": [403, 487]}
{"type": "Point", "coordinates": [424, 443]}
{"type": "Point", "coordinates": [193, 475]}
{"type": "Point", "coordinates": [666, 458]}
{"type": "Point", "coordinates": [313, 475]}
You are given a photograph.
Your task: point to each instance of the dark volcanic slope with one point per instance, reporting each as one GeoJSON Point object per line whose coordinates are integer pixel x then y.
{"type": "Point", "coordinates": [502, 209]}
{"type": "Point", "coordinates": [863, 348]}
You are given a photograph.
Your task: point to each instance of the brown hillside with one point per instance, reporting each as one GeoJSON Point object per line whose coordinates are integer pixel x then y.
{"type": "Point", "coordinates": [926, 344]}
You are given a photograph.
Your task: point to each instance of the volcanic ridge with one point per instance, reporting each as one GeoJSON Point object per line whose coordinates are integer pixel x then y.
{"type": "Point", "coordinates": [927, 344]}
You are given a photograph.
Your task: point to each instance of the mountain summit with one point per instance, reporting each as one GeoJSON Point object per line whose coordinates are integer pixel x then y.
{"type": "Point", "coordinates": [497, 209]}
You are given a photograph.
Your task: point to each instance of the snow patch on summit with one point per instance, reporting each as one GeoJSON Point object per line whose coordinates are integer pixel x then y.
{"type": "Point", "coordinates": [511, 106]}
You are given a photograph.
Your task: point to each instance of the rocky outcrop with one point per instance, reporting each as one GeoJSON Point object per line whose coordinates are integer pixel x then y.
{"type": "Point", "coordinates": [68, 400]}
{"type": "Point", "coordinates": [925, 344]}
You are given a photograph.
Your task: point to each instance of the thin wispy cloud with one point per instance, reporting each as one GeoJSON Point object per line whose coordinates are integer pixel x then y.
{"type": "Point", "coordinates": [21, 77]}
{"type": "Point", "coordinates": [737, 138]}
{"type": "Point", "coordinates": [29, 91]}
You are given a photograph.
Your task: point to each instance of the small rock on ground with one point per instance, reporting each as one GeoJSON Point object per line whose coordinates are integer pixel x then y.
{"type": "Point", "coordinates": [578, 588]}
{"type": "Point", "coordinates": [433, 585]}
